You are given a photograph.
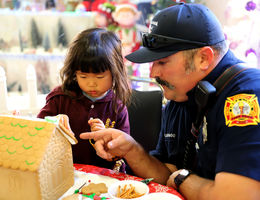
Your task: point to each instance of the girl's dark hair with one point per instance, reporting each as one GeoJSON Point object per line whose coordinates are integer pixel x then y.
{"type": "Point", "coordinates": [96, 50]}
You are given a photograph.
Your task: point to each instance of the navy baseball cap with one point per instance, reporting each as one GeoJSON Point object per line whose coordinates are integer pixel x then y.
{"type": "Point", "coordinates": [176, 28]}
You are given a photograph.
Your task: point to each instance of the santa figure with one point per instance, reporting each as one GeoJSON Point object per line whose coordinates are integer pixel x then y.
{"type": "Point", "coordinates": [88, 4]}
{"type": "Point", "coordinates": [103, 11]}
{"type": "Point", "coordinates": [126, 16]}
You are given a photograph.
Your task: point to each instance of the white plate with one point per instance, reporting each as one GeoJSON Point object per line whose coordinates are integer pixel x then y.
{"type": "Point", "coordinates": [82, 177]}
{"type": "Point", "coordinates": [162, 196]}
{"type": "Point", "coordinates": [139, 186]}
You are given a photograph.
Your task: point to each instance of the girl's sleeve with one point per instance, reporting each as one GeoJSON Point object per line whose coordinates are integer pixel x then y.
{"type": "Point", "coordinates": [50, 108]}
{"type": "Point", "coordinates": [123, 121]}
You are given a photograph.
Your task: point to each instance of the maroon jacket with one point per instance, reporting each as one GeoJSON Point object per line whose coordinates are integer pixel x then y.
{"type": "Point", "coordinates": [79, 112]}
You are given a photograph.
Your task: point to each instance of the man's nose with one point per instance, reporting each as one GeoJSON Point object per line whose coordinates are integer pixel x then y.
{"type": "Point", "coordinates": [155, 71]}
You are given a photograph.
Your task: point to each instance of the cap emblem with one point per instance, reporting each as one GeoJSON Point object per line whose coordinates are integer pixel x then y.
{"type": "Point", "coordinates": [152, 25]}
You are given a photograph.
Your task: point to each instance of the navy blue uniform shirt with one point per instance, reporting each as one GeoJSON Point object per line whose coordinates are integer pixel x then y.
{"type": "Point", "coordinates": [229, 140]}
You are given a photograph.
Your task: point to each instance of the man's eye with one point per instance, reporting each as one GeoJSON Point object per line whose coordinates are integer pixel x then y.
{"type": "Point", "coordinates": [99, 77]}
{"type": "Point", "coordinates": [161, 63]}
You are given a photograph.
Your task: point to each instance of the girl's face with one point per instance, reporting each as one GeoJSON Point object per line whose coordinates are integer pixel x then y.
{"type": "Point", "coordinates": [94, 85]}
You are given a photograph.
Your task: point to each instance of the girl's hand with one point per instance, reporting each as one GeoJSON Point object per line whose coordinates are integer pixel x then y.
{"type": "Point", "coordinates": [64, 121]}
{"type": "Point", "coordinates": [96, 124]}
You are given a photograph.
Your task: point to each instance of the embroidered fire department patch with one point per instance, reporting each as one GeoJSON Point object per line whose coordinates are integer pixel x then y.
{"type": "Point", "coordinates": [241, 110]}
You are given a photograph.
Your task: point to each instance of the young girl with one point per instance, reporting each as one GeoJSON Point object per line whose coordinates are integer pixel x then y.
{"type": "Point", "coordinates": [94, 91]}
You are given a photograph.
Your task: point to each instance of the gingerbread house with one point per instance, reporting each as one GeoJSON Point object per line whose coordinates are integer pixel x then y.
{"type": "Point", "coordinates": [35, 158]}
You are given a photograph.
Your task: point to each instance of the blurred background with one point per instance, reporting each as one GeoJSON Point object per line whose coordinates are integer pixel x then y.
{"type": "Point", "coordinates": [35, 34]}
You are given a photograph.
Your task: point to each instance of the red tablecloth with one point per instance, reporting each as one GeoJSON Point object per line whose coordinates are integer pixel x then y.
{"type": "Point", "coordinates": [154, 187]}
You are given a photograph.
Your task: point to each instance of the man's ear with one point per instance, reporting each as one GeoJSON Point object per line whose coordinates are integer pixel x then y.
{"type": "Point", "coordinates": [205, 57]}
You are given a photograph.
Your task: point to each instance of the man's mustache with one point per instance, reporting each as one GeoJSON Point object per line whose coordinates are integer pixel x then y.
{"type": "Point", "coordinates": [165, 83]}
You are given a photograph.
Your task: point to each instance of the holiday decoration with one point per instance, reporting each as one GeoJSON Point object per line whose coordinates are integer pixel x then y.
{"type": "Point", "coordinates": [21, 41]}
{"type": "Point", "coordinates": [104, 13]}
{"type": "Point", "coordinates": [36, 157]}
{"type": "Point", "coordinates": [50, 4]}
{"type": "Point", "coordinates": [102, 9]}
{"type": "Point", "coordinates": [89, 4]}
{"type": "Point", "coordinates": [46, 42]}
{"type": "Point", "coordinates": [60, 5]}
{"type": "Point", "coordinates": [126, 16]}
{"type": "Point", "coordinates": [8, 4]}
{"type": "Point", "coordinates": [242, 30]}
{"type": "Point", "coordinates": [71, 4]}
{"type": "Point", "coordinates": [250, 6]}
{"type": "Point", "coordinates": [61, 37]}
{"type": "Point", "coordinates": [35, 36]}
{"type": "Point", "coordinates": [80, 8]}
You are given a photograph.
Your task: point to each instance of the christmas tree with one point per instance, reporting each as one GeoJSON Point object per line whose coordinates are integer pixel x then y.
{"type": "Point", "coordinates": [62, 38]}
{"type": "Point", "coordinates": [35, 36]}
{"type": "Point", "coordinates": [21, 41]}
{"type": "Point", "coordinates": [46, 42]}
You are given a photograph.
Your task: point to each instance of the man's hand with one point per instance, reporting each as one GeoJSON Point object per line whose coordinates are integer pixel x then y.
{"type": "Point", "coordinates": [110, 142]}
{"type": "Point", "coordinates": [113, 142]}
{"type": "Point", "coordinates": [225, 186]}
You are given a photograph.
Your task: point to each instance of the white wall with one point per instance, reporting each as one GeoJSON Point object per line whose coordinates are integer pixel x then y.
{"type": "Point", "coordinates": [218, 8]}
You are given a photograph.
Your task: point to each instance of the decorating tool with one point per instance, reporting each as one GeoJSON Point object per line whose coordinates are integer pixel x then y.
{"type": "Point", "coordinates": [77, 191]}
{"type": "Point", "coordinates": [147, 181]}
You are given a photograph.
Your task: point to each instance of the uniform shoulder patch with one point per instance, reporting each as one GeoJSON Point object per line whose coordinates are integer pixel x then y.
{"type": "Point", "coordinates": [241, 110]}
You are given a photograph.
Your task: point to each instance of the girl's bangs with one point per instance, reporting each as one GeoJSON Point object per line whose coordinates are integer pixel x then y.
{"type": "Point", "coordinates": [93, 64]}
